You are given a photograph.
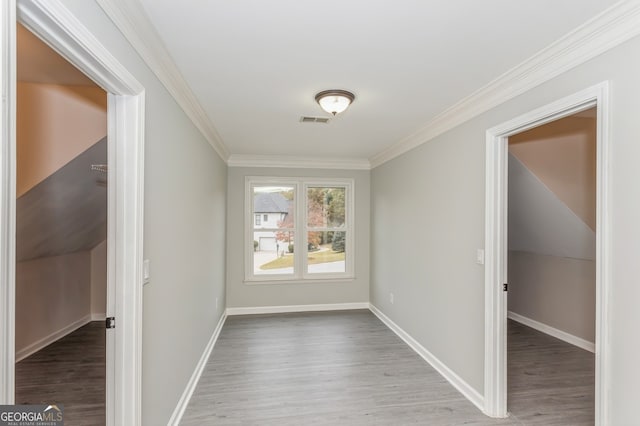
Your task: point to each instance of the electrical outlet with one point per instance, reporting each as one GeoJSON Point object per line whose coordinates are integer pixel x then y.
{"type": "Point", "coordinates": [391, 298]}
{"type": "Point", "coordinates": [216, 303]}
{"type": "Point", "coordinates": [480, 257]}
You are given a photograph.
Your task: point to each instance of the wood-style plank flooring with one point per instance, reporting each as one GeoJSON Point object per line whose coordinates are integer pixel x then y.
{"type": "Point", "coordinates": [347, 368]}
{"type": "Point", "coordinates": [332, 368]}
{"type": "Point", "coordinates": [550, 382]}
{"type": "Point", "coordinates": [70, 372]}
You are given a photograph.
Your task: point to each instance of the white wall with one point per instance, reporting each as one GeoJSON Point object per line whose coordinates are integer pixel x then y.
{"type": "Point", "coordinates": [52, 294]}
{"type": "Point", "coordinates": [184, 232]}
{"type": "Point", "coordinates": [551, 267]}
{"type": "Point", "coordinates": [427, 222]}
{"type": "Point", "coordinates": [55, 295]}
{"type": "Point", "coordinates": [240, 294]}
{"type": "Point", "coordinates": [539, 222]}
{"type": "Point", "coordinates": [431, 202]}
{"type": "Point", "coordinates": [556, 291]}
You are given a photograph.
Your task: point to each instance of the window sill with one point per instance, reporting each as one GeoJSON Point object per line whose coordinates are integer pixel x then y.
{"type": "Point", "coordinates": [299, 281]}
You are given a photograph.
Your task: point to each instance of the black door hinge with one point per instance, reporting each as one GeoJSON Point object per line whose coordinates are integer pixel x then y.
{"type": "Point", "coordinates": [505, 287]}
{"type": "Point", "coordinates": [111, 322]}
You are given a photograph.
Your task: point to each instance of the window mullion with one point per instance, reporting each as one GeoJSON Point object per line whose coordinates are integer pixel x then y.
{"type": "Point", "coordinates": [307, 229]}
{"type": "Point", "coordinates": [301, 221]}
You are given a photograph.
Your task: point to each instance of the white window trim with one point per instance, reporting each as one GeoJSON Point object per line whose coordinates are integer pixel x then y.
{"type": "Point", "coordinates": [300, 185]}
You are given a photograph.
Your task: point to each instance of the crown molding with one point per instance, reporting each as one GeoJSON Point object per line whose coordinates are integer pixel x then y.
{"type": "Point", "coordinates": [239, 160]}
{"type": "Point", "coordinates": [605, 31]}
{"type": "Point", "coordinates": [131, 19]}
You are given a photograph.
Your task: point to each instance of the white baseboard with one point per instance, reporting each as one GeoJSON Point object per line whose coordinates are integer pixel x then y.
{"type": "Point", "coordinates": [558, 334]}
{"type": "Point", "coordinates": [47, 340]}
{"type": "Point", "coordinates": [297, 308]}
{"type": "Point", "coordinates": [463, 387]}
{"type": "Point", "coordinates": [195, 377]}
{"type": "Point", "coordinates": [98, 317]}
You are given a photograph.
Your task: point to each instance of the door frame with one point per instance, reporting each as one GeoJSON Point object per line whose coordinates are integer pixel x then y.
{"type": "Point", "coordinates": [59, 28]}
{"type": "Point", "coordinates": [495, 378]}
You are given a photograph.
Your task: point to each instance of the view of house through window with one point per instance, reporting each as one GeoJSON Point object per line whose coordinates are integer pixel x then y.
{"type": "Point", "coordinates": [273, 236]}
{"type": "Point", "coordinates": [299, 230]}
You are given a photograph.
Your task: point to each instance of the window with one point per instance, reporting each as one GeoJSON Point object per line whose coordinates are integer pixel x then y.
{"type": "Point", "coordinates": [313, 238]}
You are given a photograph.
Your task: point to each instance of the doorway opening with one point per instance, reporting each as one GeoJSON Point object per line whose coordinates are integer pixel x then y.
{"type": "Point", "coordinates": [53, 23]}
{"type": "Point", "coordinates": [551, 270]}
{"type": "Point", "coordinates": [61, 234]}
{"type": "Point", "coordinates": [497, 243]}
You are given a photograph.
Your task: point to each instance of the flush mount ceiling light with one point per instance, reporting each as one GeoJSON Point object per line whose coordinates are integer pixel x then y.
{"type": "Point", "coordinates": [334, 101]}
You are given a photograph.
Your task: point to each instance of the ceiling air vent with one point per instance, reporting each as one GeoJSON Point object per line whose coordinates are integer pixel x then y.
{"type": "Point", "coordinates": [324, 120]}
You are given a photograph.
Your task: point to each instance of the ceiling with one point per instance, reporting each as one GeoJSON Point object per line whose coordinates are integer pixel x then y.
{"type": "Point", "coordinates": [255, 66]}
{"type": "Point", "coordinates": [38, 63]}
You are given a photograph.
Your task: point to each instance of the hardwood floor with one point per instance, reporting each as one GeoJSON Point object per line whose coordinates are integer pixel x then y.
{"type": "Point", "coordinates": [347, 368]}
{"type": "Point", "coordinates": [331, 368]}
{"type": "Point", "coordinates": [550, 382]}
{"type": "Point", "coordinates": [325, 368]}
{"type": "Point", "coordinates": [70, 372]}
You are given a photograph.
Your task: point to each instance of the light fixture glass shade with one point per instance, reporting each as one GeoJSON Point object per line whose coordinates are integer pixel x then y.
{"type": "Point", "coordinates": [334, 101]}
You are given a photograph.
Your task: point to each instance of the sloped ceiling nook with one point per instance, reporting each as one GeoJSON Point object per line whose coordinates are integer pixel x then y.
{"type": "Point", "coordinates": [66, 212]}
{"type": "Point", "coordinates": [61, 128]}
{"type": "Point", "coordinates": [38, 63]}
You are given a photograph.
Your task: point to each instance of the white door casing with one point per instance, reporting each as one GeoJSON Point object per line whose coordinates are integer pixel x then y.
{"type": "Point", "coordinates": [7, 199]}
{"type": "Point", "coordinates": [496, 246]}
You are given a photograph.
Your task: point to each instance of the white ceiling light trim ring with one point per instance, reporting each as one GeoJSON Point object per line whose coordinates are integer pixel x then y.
{"type": "Point", "coordinates": [335, 101]}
